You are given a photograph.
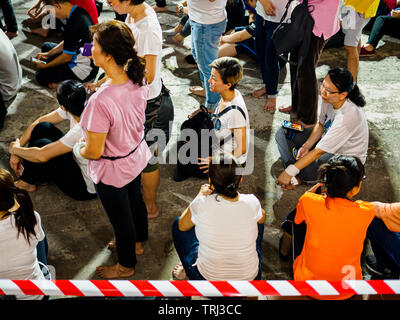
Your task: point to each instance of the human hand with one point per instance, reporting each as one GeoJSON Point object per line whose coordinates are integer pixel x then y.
{"type": "Point", "coordinates": [395, 14]}
{"type": "Point", "coordinates": [39, 65]}
{"type": "Point", "coordinates": [315, 187]}
{"type": "Point", "coordinates": [44, 56]}
{"type": "Point", "coordinates": [179, 9]}
{"type": "Point", "coordinates": [284, 181]}
{"type": "Point", "coordinates": [302, 152]}
{"type": "Point", "coordinates": [16, 164]}
{"type": "Point", "coordinates": [13, 145]}
{"type": "Point", "coordinates": [205, 189]}
{"type": "Point", "coordinates": [91, 88]}
{"type": "Point", "coordinates": [269, 8]}
{"type": "Point", "coordinates": [35, 10]}
{"type": "Point", "coordinates": [204, 163]}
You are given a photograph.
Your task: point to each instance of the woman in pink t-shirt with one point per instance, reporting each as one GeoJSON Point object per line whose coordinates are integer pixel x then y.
{"type": "Point", "coordinates": [113, 122]}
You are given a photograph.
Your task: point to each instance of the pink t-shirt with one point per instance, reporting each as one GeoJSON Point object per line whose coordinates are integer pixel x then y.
{"type": "Point", "coordinates": [326, 17]}
{"type": "Point", "coordinates": [119, 111]}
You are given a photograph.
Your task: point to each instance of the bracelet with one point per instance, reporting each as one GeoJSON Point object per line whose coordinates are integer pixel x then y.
{"type": "Point", "coordinates": [292, 170]}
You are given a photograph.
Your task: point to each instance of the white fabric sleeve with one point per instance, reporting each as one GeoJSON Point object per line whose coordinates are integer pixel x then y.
{"type": "Point", "coordinates": [236, 119]}
{"type": "Point", "coordinates": [38, 227]}
{"type": "Point", "coordinates": [339, 133]}
{"type": "Point", "coordinates": [63, 114]}
{"type": "Point", "coordinates": [72, 136]}
{"type": "Point", "coordinates": [195, 208]}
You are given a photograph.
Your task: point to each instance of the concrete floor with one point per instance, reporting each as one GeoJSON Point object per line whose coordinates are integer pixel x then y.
{"type": "Point", "coordinates": [78, 231]}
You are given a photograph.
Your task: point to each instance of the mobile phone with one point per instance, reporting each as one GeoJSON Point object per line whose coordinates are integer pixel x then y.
{"type": "Point", "coordinates": [291, 125]}
{"type": "Point", "coordinates": [86, 51]}
{"type": "Point", "coordinates": [37, 60]}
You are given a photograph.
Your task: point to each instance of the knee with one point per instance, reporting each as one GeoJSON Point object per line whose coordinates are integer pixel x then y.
{"type": "Point", "coordinates": [47, 46]}
{"type": "Point", "coordinates": [41, 127]}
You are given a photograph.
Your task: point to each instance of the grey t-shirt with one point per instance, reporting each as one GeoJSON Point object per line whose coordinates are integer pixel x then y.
{"type": "Point", "coordinates": [10, 69]}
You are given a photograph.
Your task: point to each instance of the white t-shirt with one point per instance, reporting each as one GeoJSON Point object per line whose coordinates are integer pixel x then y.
{"type": "Point", "coordinates": [231, 120]}
{"type": "Point", "coordinates": [345, 130]}
{"type": "Point", "coordinates": [18, 258]}
{"type": "Point", "coordinates": [71, 138]}
{"type": "Point", "coordinates": [206, 11]}
{"type": "Point", "coordinates": [10, 69]}
{"type": "Point", "coordinates": [280, 8]}
{"type": "Point", "coordinates": [227, 232]}
{"type": "Point", "coordinates": [148, 41]}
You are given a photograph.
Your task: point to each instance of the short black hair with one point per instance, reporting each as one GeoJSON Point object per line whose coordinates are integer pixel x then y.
{"type": "Point", "coordinates": [71, 94]}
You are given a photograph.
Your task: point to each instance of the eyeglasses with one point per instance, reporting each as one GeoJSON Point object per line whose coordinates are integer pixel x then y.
{"type": "Point", "coordinates": [322, 87]}
{"type": "Point", "coordinates": [112, 3]}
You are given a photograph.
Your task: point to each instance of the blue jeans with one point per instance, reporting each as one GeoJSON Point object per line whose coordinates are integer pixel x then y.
{"type": "Point", "coordinates": [266, 54]}
{"type": "Point", "coordinates": [187, 247]}
{"type": "Point", "coordinates": [288, 142]}
{"type": "Point", "coordinates": [385, 244]}
{"type": "Point", "coordinates": [205, 40]}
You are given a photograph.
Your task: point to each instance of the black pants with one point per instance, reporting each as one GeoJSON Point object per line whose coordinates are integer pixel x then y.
{"type": "Point", "coordinates": [62, 170]}
{"type": "Point", "coordinates": [304, 82]}
{"type": "Point", "coordinates": [127, 213]}
{"type": "Point", "coordinates": [59, 73]}
{"type": "Point", "coordinates": [9, 16]}
{"type": "Point", "coordinates": [297, 231]}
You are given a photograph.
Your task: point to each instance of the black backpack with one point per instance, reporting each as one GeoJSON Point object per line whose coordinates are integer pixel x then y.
{"type": "Point", "coordinates": [295, 34]}
{"type": "Point", "coordinates": [202, 120]}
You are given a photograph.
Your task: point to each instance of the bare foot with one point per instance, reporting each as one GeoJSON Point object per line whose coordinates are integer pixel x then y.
{"type": "Point", "coordinates": [40, 32]}
{"type": "Point", "coordinates": [114, 272]}
{"type": "Point", "coordinates": [259, 92]}
{"type": "Point", "coordinates": [285, 109]}
{"type": "Point", "coordinates": [178, 38]}
{"type": "Point", "coordinates": [25, 186]}
{"type": "Point", "coordinates": [139, 247]}
{"type": "Point", "coordinates": [198, 91]}
{"type": "Point", "coordinates": [270, 105]}
{"type": "Point", "coordinates": [160, 9]}
{"type": "Point", "coordinates": [179, 272]}
{"type": "Point", "coordinates": [153, 215]}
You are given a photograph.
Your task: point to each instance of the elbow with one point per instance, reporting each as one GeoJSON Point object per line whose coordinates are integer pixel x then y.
{"type": "Point", "coordinates": [41, 157]}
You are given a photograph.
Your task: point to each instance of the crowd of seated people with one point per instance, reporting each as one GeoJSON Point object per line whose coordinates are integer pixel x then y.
{"type": "Point", "coordinates": [109, 152]}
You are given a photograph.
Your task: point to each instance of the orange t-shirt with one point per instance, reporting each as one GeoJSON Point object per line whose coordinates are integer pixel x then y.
{"type": "Point", "coordinates": [336, 229]}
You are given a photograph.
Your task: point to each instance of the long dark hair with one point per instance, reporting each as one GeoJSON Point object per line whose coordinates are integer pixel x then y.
{"type": "Point", "coordinates": [343, 80]}
{"type": "Point", "coordinates": [116, 39]}
{"type": "Point", "coordinates": [223, 175]}
{"type": "Point", "coordinates": [25, 219]}
{"type": "Point", "coordinates": [341, 174]}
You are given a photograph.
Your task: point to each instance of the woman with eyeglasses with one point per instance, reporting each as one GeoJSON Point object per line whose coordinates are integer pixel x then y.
{"type": "Point", "coordinates": [342, 130]}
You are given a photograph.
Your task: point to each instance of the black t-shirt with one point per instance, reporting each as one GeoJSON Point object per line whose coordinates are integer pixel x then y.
{"type": "Point", "coordinates": [76, 31]}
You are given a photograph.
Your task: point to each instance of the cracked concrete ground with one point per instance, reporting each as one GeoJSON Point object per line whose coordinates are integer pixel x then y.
{"type": "Point", "coordinates": [78, 232]}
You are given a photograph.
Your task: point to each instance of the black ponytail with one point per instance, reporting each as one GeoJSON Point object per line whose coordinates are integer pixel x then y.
{"type": "Point", "coordinates": [340, 175]}
{"type": "Point", "coordinates": [343, 80]}
{"type": "Point", "coordinates": [25, 219]}
{"type": "Point", "coordinates": [223, 175]}
{"type": "Point", "coordinates": [136, 69]}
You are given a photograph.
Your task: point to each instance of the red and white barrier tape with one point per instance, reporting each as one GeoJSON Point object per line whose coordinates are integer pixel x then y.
{"type": "Point", "coordinates": [164, 288]}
